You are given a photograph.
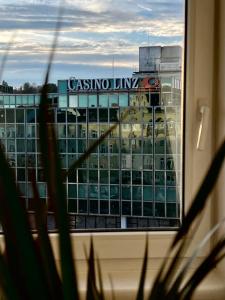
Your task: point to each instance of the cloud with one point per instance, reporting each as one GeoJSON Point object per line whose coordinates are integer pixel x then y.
{"type": "Point", "coordinates": [144, 7]}
{"type": "Point", "coordinates": [93, 31]}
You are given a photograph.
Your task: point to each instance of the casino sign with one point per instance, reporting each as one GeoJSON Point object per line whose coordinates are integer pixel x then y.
{"type": "Point", "coordinates": [75, 84]}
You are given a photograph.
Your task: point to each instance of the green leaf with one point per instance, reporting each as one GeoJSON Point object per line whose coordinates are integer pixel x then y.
{"type": "Point", "coordinates": [56, 190]}
{"type": "Point", "coordinates": [184, 270]}
{"type": "Point", "coordinates": [205, 189]}
{"type": "Point", "coordinates": [100, 278]}
{"type": "Point", "coordinates": [140, 293]}
{"type": "Point", "coordinates": [208, 264]}
{"type": "Point", "coordinates": [20, 248]}
{"type": "Point", "coordinates": [92, 292]}
{"type": "Point", "coordinates": [47, 256]}
{"type": "Point", "coordinates": [6, 281]}
{"type": "Point", "coordinates": [6, 54]}
{"type": "Point", "coordinates": [90, 150]}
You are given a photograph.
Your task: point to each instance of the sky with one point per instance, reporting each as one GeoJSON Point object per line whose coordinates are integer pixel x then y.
{"type": "Point", "coordinates": [93, 34]}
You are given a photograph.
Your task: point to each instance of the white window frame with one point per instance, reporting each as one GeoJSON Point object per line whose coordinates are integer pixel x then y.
{"type": "Point", "coordinates": [121, 253]}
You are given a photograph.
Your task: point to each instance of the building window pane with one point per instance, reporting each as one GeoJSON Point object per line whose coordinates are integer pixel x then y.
{"type": "Point", "coordinates": [103, 100]}
{"type": "Point", "coordinates": [73, 101]}
{"type": "Point", "coordinates": [83, 100]}
{"type": "Point", "coordinates": [62, 101]}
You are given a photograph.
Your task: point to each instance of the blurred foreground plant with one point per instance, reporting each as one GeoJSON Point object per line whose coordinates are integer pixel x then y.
{"type": "Point", "coordinates": [27, 265]}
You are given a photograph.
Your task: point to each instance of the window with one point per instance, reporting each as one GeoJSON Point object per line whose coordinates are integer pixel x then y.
{"type": "Point", "coordinates": [147, 147]}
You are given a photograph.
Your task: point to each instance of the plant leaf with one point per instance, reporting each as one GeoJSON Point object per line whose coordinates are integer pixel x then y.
{"type": "Point", "coordinates": [90, 150]}
{"type": "Point", "coordinates": [140, 293]}
{"type": "Point", "coordinates": [181, 276]}
{"type": "Point", "coordinates": [47, 256]}
{"type": "Point", "coordinates": [92, 292]}
{"type": "Point", "coordinates": [202, 271]}
{"type": "Point", "coordinates": [200, 199]}
{"type": "Point", "coordinates": [6, 54]}
{"type": "Point", "coordinates": [20, 248]}
{"type": "Point", "coordinates": [6, 281]}
{"type": "Point", "coordinates": [56, 190]}
{"type": "Point", "coordinates": [100, 278]}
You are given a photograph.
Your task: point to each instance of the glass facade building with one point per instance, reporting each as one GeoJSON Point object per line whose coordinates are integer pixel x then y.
{"type": "Point", "coordinates": [133, 176]}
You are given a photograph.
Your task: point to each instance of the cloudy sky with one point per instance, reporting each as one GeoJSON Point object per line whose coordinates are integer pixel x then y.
{"type": "Point", "coordinates": [93, 34]}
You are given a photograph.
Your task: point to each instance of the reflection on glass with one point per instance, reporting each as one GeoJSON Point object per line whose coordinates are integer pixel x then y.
{"type": "Point", "coordinates": [11, 145]}
{"type": "Point", "coordinates": [114, 146]}
{"type": "Point", "coordinates": [159, 194]}
{"type": "Point", "coordinates": [62, 146]}
{"type": "Point", "coordinates": [71, 159]}
{"type": "Point", "coordinates": [114, 162]}
{"type": "Point", "coordinates": [103, 115]}
{"type": "Point", "coordinates": [72, 146]}
{"type": "Point", "coordinates": [104, 176]}
{"type": "Point", "coordinates": [30, 131]}
{"type": "Point", "coordinates": [114, 115]}
{"type": "Point", "coordinates": [125, 146]}
{"type": "Point", "coordinates": [103, 100]}
{"type": "Point", "coordinates": [10, 116]}
{"type": "Point", "coordinates": [20, 145]}
{"type": "Point", "coordinates": [93, 192]}
{"type": "Point", "coordinates": [137, 162]}
{"type": "Point", "coordinates": [136, 192]}
{"type": "Point", "coordinates": [92, 100]}
{"type": "Point", "coordinates": [82, 176]}
{"type": "Point", "coordinates": [73, 101]}
{"type": "Point", "coordinates": [126, 192]}
{"type": "Point", "coordinates": [92, 115]}
{"type": "Point", "coordinates": [136, 177]}
{"type": "Point", "coordinates": [71, 131]}
{"type": "Point", "coordinates": [19, 116]}
{"type": "Point", "coordinates": [113, 100]}
{"type": "Point", "coordinates": [2, 131]}
{"type": "Point", "coordinates": [62, 101]}
{"type": "Point", "coordinates": [83, 100]}
{"type": "Point", "coordinates": [123, 99]}
{"type": "Point", "coordinates": [82, 191]}
{"type": "Point", "coordinates": [81, 146]}
{"type": "Point", "coordinates": [104, 192]}
{"type": "Point", "coordinates": [72, 115]}
{"type": "Point", "coordinates": [136, 146]}
{"type": "Point", "coordinates": [93, 131]}
{"type": "Point", "coordinates": [114, 177]}
{"type": "Point", "coordinates": [93, 161]}
{"type": "Point", "coordinates": [103, 161]}
{"type": "Point", "coordinates": [93, 176]}
{"type": "Point", "coordinates": [148, 193]}
{"type": "Point", "coordinates": [10, 131]}
{"type": "Point", "coordinates": [115, 132]}
{"type": "Point", "coordinates": [114, 192]}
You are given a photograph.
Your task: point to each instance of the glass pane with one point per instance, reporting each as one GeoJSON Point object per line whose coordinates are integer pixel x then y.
{"type": "Point", "coordinates": [73, 101]}
{"type": "Point", "coordinates": [63, 101]}
{"type": "Point", "coordinates": [92, 100]}
{"type": "Point", "coordinates": [136, 170]}
{"type": "Point", "coordinates": [83, 99]}
{"type": "Point", "coordinates": [103, 100]}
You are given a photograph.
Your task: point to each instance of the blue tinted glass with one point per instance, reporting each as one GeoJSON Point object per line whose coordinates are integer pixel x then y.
{"type": "Point", "coordinates": [73, 101]}
{"type": "Point", "coordinates": [92, 100]}
{"type": "Point", "coordinates": [113, 100]}
{"type": "Point", "coordinates": [62, 86]}
{"type": "Point", "coordinates": [103, 100]}
{"type": "Point", "coordinates": [82, 100]}
{"type": "Point", "coordinates": [123, 100]}
{"type": "Point", "coordinates": [63, 101]}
